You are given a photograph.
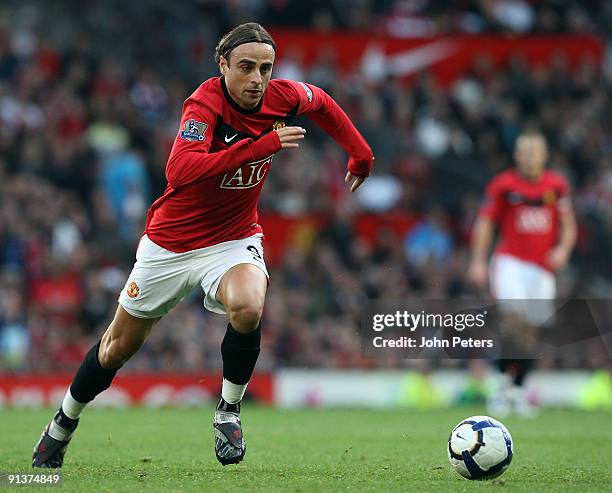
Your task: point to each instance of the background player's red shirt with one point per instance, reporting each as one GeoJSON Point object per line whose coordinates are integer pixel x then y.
{"type": "Point", "coordinates": [527, 213]}
{"type": "Point", "coordinates": [221, 157]}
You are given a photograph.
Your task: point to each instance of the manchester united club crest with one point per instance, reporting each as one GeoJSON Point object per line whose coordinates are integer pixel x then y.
{"type": "Point", "coordinates": [549, 197]}
{"type": "Point", "coordinates": [133, 290]}
{"type": "Point", "coordinates": [278, 124]}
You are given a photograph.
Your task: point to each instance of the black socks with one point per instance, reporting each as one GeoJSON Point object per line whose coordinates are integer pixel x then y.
{"type": "Point", "coordinates": [239, 353]}
{"type": "Point", "coordinates": [226, 406]}
{"type": "Point", "coordinates": [516, 368]}
{"type": "Point", "coordinates": [64, 421]}
{"type": "Point", "coordinates": [91, 379]}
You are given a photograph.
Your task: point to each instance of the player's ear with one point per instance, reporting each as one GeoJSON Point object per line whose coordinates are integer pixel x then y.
{"type": "Point", "coordinates": [223, 65]}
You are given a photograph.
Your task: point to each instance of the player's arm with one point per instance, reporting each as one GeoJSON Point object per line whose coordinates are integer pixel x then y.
{"type": "Point", "coordinates": [482, 235]}
{"type": "Point", "coordinates": [568, 231]}
{"type": "Point", "coordinates": [190, 159]}
{"type": "Point", "coordinates": [325, 112]}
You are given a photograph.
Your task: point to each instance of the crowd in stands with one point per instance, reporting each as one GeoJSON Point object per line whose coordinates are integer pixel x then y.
{"type": "Point", "coordinates": [413, 18]}
{"type": "Point", "coordinates": [90, 100]}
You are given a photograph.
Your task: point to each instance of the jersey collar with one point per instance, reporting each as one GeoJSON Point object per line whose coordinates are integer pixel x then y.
{"type": "Point", "coordinates": [235, 105]}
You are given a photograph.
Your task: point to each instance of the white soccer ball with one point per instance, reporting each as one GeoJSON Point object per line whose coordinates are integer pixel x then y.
{"type": "Point", "coordinates": [480, 447]}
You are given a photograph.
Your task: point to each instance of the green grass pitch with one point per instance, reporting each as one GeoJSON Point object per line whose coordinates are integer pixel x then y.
{"type": "Point", "coordinates": [310, 450]}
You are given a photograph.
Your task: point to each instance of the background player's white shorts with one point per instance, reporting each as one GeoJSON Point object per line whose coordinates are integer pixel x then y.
{"type": "Point", "coordinates": [514, 279]}
{"type": "Point", "coordinates": [160, 278]}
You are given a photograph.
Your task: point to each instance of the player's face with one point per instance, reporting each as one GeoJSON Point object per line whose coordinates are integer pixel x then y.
{"type": "Point", "coordinates": [531, 154]}
{"type": "Point", "coordinates": [247, 72]}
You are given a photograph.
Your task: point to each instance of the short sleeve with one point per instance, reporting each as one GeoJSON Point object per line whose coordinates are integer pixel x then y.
{"type": "Point", "coordinates": [493, 203]}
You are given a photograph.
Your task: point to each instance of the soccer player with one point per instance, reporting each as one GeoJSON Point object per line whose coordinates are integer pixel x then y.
{"type": "Point", "coordinates": [203, 230]}
{"type": "Point", "coordinates": [532, 208]}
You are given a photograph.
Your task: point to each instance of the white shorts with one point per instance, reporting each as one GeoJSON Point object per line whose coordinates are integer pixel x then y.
{"type": "Point", "coordinates": [531, 287]}
{"type": "Point", "coordinates": [160, 279]}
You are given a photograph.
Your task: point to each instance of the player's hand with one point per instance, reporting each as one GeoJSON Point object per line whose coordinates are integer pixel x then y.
{"type": "Point", "coordinates": [290, 136]}
{"type": "Point", "coordinates": [478, 274]}
{"type": "Point", "coordinates": [357, 183]}
{"type": "Point", "coordinates": [558, 258]}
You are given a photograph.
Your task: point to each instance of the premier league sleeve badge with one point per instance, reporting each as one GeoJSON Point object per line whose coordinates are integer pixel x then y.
{"type": "Point", "coordinates": [194, 131]}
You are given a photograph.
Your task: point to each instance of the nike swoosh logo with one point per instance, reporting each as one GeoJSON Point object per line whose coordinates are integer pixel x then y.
{"type": "Point", "coordinates": [409, 61]}
{"type": "Point", "coordinates": [460, 436]}
{"type": "Point", "coordinates": [231, 138]}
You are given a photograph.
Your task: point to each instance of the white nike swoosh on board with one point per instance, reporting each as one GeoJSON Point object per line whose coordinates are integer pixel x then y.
{"type": "Point", "coordinates": [416, 59]}
{"type": "Point", "coordinates": [406, 62]}
{"type": "Point", "coordinates": [231, 138]}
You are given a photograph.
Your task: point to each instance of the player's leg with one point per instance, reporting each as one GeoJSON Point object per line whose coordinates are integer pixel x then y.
{"type": "Point", "coordinates": [541, 291]}
{"type": "Point", "coordinates": [242, 292]}
{"type": "Point", "coordinates": [517, 371]}
{"type": "Point", "coordinates": [123, 338]}
{"type": "Point", "coordinates": [509, 283]}
{"type": "Point", "coordinates": [158, 281]}
{"type": "Point", "coordinates": [234, 278]}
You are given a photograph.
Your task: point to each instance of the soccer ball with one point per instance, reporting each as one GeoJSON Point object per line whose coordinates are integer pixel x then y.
{"type": "Point", "coordinates": [480, 447]}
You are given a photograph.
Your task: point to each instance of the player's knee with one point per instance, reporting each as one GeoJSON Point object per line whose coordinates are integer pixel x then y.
{"type": "Point", "coordinates": [245, 316]}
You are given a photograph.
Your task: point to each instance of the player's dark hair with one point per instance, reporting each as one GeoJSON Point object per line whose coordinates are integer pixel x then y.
{"type": "Point", "coordinates": [251, 32]}
{"type": "Point", "coordinates": [532, 131]}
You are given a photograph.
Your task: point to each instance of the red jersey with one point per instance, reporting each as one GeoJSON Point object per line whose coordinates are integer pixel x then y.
{"type": "Point", "coordinates": [221, 157]}
{"type": "Point", "coordinates": [527, 213]}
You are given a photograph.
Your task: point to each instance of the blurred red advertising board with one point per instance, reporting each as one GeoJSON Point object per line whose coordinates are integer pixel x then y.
{"type": "Point", "coordinates": [140, 389]}
{"type": "Point", "coordinates": [445, 57]}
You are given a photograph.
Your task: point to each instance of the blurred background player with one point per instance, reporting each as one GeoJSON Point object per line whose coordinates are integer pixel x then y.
{"type": "Point", "coordinates": [531, 208]}
{"type": "Point", "coordinates": [203, 231]}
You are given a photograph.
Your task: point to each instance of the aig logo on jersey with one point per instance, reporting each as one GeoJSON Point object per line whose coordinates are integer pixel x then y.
{"type": "Point", "coordinates": [534, 220]}
{"type": "Point", "coordinates": [247, 176]}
